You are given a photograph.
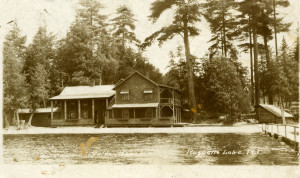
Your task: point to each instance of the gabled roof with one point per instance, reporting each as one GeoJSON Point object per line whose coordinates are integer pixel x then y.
{"type": "Point", "coordinates": [85, 92]}
{"type": "Point", "coordinates": [151, 81]}
{"type": "Point", "coordinates": [275, 110]}
{"type": "Point", "coordinates": [136, 72]}
{"type": "Point", "coordinates": [39, 110]}
{"type": "Point", "coordinates": [165, 86]}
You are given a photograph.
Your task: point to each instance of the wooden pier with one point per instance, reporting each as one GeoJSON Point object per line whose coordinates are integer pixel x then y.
{"type": "Point", "coordinates": [286, 133]}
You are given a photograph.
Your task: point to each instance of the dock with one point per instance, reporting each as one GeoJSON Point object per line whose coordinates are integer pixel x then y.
{"type": "Point", "coordinates": [286, 133]}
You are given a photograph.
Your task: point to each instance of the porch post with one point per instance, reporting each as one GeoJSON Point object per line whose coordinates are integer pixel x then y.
{"type": "Point", "coordinates": [79, 111]}
{"type": "Point", "coordinates": [173, 106]}
{"type": "Point", "coordinates": [180, 115]}
{"type": "Point", "coordinates": [176, 114]}
{"type": "Point", "coordinates": [65, 110]}
{"type": "Point", "coordinates": [61, 106]}
{"type": "Point", "coordinates": [106, 109]}
{"type": "Point", "coordinates": [93, 109]}
{"type": "Point", "coordinates": [133, 112]}
{"type": "Point", "coordinates": [51, 110]}
{"type": "Point", "coordinates": [159, 111]}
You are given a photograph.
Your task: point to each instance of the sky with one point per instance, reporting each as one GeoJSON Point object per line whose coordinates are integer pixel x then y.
{"type": "Point", "coordinates": [59, 14]}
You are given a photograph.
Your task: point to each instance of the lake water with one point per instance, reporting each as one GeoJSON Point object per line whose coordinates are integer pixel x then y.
{"type": "Point", "coordinates": [182, 149]}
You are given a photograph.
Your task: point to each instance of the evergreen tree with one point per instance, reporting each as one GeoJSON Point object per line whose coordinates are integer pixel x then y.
{"type": "Point", "coordinates": [254, 8]}
{"type": "Point", "coordinates": [85, 46]}
{"type": "Point", "coordinates": [123, 26]}
{"type": "Point", "coordinates": [187, 13]}
{"type": "Point", "coordinates": [279, 25]}
{"type": "Point", "coordinates": [225, 88]}
{"type": "Point", "coordinates": [14, 84]}
{"type": "Point", "coordinates": [38, 64]}
{"type": "Point", "coordinates": [223, 25]}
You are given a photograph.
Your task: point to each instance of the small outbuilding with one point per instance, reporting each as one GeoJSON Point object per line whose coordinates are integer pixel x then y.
{"type": "Point", "coordinates": [272, 114]}
{"type": "Point", "coordinates": [41, 116]}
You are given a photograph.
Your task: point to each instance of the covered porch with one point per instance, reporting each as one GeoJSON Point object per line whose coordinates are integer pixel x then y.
{"type": "Point", "coordinates": [144, 114]}
{"type": "Point", "coordinates": [80, 112]}
{"type": "Point", "coordinates": [81, 105]}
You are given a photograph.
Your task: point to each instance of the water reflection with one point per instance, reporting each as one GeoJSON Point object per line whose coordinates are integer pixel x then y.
{"type": "Point", "coordinates": [208, 149]}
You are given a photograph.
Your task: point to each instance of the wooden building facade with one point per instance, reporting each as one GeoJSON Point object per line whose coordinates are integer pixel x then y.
{"type": "Point", "coordinates": [81, 105]}
{"type": "Point", "coordinates": [272, 114]}
{"type": "Point", "coordinates": [139, 101]}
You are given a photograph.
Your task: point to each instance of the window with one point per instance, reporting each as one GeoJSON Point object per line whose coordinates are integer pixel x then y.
{"type": "Point", "coordinates": [148, 94]}
{"type": "Point", "coordinates": [72, 115]}
{"type": "Point", "coordinates": [85, 114]}
{"type": "Point", "coordinates": [125, 94]}
{"type": "Point", "coordinates": [85, 107]}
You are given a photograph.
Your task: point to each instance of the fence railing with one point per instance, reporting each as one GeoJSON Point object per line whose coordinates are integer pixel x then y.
{"type": "Point", "coordinates": [278, 128]}
{"type": "Point", "coordinates": [170, 101]}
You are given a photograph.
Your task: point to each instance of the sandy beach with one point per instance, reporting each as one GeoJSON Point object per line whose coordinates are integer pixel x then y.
{"type": "Point", "coordinates": [254, 128]}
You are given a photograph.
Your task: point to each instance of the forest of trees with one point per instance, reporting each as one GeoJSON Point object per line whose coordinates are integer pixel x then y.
{"type": "Point", "coordinates": [98, 50]}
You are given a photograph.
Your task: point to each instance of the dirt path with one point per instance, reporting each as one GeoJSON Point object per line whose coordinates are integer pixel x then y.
{"type": "Point", "coordinates": [91, 130]}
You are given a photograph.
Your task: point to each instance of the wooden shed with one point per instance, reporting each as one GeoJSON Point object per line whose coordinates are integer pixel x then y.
{"type": "Point", "coordinates": [41, 116]}
{"type": "Point", "coordinates": [271, 114]}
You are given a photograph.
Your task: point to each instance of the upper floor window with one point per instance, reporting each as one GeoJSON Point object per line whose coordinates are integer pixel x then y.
{"type": "Point", "coordinates": [148, 94]}
{"type": "Point", "coordinates": [125, 94]}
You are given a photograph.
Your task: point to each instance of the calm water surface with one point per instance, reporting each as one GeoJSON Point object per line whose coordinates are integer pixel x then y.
{"type": "Point", "coordinates": [185, 149]}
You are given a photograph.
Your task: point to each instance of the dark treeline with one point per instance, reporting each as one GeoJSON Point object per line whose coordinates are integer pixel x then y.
{"type": "Point", "coordinates": [101, 50]}
{"type": "Point", "coordinates": [95, 51]}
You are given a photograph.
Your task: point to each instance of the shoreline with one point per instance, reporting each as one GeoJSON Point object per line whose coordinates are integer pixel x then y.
{"type": "Point", "coordinates": [253, 128]}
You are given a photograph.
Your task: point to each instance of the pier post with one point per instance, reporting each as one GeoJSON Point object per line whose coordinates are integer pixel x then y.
{"type": "Point", "coordinates": [93, 109]}
{"type": "Point", "coordinates": [51, 110]}
{"type": "Point", "coordinates": [272, 130]}
{"type": "Point", "coordinates": [295, 136]}
{"type": "Point", "coordinates": [285, 131]}
{"type": "Point", "coordinates": [65, 109]}
{"type": "Point", "coordinates": [79, 111]}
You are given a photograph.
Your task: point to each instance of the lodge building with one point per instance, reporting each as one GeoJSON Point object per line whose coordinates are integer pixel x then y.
{"type": "Point", "coordinates": [134, 101]}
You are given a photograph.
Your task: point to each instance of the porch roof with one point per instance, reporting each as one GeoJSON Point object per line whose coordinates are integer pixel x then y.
{"type": "Point", "coordinates": [85, 92]}
{"type": "Point", "coordinates": [136, 105]}
{"type": "Point", "coordinates": [39, 110]}
{"type": "Point", "coordinates": [275, 110]}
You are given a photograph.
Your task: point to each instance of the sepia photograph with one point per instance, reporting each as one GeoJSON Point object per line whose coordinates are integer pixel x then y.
{"type": "Point", "coordinates": [149, 88]}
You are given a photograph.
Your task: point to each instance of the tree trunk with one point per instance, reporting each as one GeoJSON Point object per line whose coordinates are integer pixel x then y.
{"type": "Point", "coordinates": [6, 123]}
{"type": "Point", "coordinates": [30, 118]}
{"type": "Point", "coordinates": [282, 110]}
{"type": "Point", "coordinates": [224, 36]}
{"type": "Point", "coordinates": [275, 28]}
{"type": "Point", "coordinates": [44, 103]}
{"type": "Point", "coordinates": [256, 75]}
{"type": "Point", "coordinates": [100, 77]}
{"type": "Point", "coordinates": [189, 68]}
{"type": "Point", "coordinates": [222, 44]}
{"type": "Point", "coordinates": [251, 63]}
{"type": "Point", "coordinates": [16, 115]}
{"type": "Point", "coordinates": [270, 97]}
